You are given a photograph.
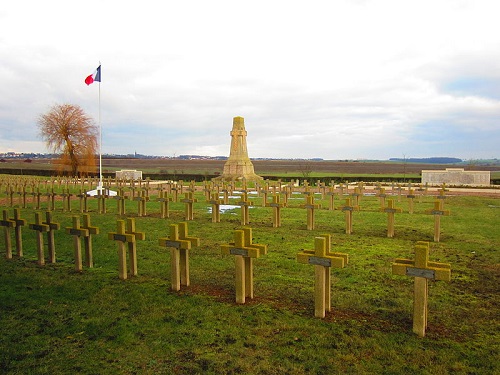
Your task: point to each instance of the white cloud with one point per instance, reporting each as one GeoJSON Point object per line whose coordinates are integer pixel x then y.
{"type": "Point", "coordinates": [331, 79]}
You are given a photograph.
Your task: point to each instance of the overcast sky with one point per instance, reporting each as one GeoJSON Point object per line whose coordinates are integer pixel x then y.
{"type": "Point", "coordinates": [328, 79]}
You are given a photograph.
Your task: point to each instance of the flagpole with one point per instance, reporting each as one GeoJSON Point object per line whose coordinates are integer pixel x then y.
{"type": "Point", "coordinates": [100, 135]}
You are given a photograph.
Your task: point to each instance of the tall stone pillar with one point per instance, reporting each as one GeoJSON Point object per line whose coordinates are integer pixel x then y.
{"type": "Point", "coordinates": [238, 166]}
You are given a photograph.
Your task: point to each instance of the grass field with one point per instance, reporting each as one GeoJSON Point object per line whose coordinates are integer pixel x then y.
{"type": "Point", "coordinates": [55, 320]}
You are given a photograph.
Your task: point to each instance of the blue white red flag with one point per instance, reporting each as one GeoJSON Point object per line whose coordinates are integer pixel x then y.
{"type": "Point", "coordinates": [94, 77]}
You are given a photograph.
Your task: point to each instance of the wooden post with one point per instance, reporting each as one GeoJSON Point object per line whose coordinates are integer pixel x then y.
{"type": "Point", "coordinates": [180, 244]}
{"type": "Point", "coordinates": [323, 259]}
{"type": "Point", "coordinates": [40, 228]}
{"type": "Point", "coordinates": [423, 270]}
{"type": "Point", "coordinates": [245, 251]}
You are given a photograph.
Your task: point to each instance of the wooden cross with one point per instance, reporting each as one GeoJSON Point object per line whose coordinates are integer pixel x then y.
{"type": "Point", "coordinates": [126, 236]}
{"type": "Point", "coordinates": [18, 231]}
{"type": "Point", "coordinates": [215, 202]}
{"type": "Point", "coordinates": [120, 198]}
{"type": "Point", "coordinates": [348, 208]}
{"type": "Point", "coordinates": [331, 194]}
{"type": "Point", "coordinates": [390, 210]}
{"type": "Point", "coordinates": [76, 231]}
{"type": "Point", "coordinates": [36, 198]}
{"type": "Point", "coordinates": [180, 244]}
{"type": "Point", "coordinates": [245, 251]}
{"type": "Point", "coordinates": [245, 204]}
{"type": "Point", "coordinates": [164, 204]}
{"type": "Point", "coordinates": [189, 201]}
{"type": "Point", "coordinates": [357, 196]}
{"type": "Point", "coordinates": [277, 206]}
{"type": "Point", "coordinates": [310, 206]}
{"type": "Point", "coordinates": [51, 243]}
{"type": "Point", "coordinates": [323, 260]}
{"type": "Point", "coordinates": [83, 200]}
{"type": "Point", "coordinates": [141, 200]}
{"type": "Point", "coordinates": [264, 192]}
{"type": "Point", "coordinates": [101, 200]}
{"type": "Point", "coordinates": [40, 228]}
{"type": "Point", "coordinates": [423, 270]}
{"type": "Point", "coordinates": [437, 211]}
{"type": "Point", "coordinates": [7, 224]}
{"type": "Point", "coordinates": [411, 197]}
{"type": "Point", "coordinates": [66, 196]}
{"type": "Point", "coordinates": [50, 199]}
{"type": "Point", "coordinates": [86, 231]}
{"type": "Point", "coordinates": [382, 195]}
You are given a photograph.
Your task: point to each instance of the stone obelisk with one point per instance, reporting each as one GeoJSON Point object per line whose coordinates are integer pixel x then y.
{"type": "Point", "coordinates": [238, 166]}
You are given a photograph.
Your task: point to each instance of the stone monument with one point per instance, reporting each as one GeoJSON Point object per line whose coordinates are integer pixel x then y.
{"type": "Point", "coordinates": [456, 176]}
{"type": "Point", "coordinates": [238, 166]}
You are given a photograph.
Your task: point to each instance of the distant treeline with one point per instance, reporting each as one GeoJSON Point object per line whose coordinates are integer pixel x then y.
{"type": "Point", "coordinates": [434, 160]}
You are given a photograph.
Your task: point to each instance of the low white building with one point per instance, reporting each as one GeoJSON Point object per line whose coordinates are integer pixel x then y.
{"type": "Point", "coordinates": [456, 176]}
{"type": "Point", "coordinates": [128, 174]}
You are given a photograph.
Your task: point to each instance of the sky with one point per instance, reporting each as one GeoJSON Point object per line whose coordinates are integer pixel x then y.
{"type": "Point", "coordinates": [331, 79]}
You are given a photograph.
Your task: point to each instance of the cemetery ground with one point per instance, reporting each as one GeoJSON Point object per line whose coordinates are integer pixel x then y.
{"type": "Point", "coordinates": [56, 320]}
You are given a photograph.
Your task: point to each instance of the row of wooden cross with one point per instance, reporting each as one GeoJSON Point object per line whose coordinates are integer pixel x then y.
{"type": "Point", "coordinates": [244, 250]}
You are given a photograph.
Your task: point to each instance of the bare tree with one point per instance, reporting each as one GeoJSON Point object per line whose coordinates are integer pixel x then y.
{"type": "Point", "coordinates": [67, 130]}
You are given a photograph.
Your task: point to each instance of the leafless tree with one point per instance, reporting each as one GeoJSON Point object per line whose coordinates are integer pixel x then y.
{"type": "Point", "coordinates": [67, 130]}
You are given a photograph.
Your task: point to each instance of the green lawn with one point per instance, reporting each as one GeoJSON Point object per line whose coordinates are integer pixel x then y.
{"type": "Point", "coordinates": [58, 321]}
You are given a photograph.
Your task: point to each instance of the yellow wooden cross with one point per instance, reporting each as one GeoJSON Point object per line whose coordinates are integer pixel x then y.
{"type": "Point", "coordinates": [348, 208]}
{"type": "Point", "coordinates": [126, 236]}
{"type": "Point", "coordinates": [77, 231]}
{"type": "Point", "coordinates": [164, 200]}
{"type": "Point", "coordinates": [180, 243]}
{"type": "Point", "coordinates": [390, 210]}
{"type": "Point", "coordinates": [189, 201]}
{"type": "Point", "coordinates": [423, 270]}
{"type": "Point", "coordinates": [411, 197]}
{"type": "Point", "coordinates": [215, 201]}
{"type": "Point", "coordinates": [141, 200]}
{"type": "Point", "coordinates": [331, 194]}
{"type": "Point", "coordinates": [7, 224]}
{"type": "Point", "coordinates": [51, 243]}
{"type": "Point", "coordinates": [437, 211]}
{"type": "Point", "coordinates": [310, 206]}
{"type": "Point", "coordinates": [382, 195]}
{"type": "Point", "coordinates": [40, 228]}
{"type": "Point", "coordinates": [245, 251]}
{"type": "Point", "coordinates": [245, 204]}
{"type": "Point", "coordinates": [357, 195]}
{"type": "Point", "coordinates": [18, 231]}
{"type": "Point", "coordinates": [277, 206]}
{"type": "Point", "coordinates": [323, 260]}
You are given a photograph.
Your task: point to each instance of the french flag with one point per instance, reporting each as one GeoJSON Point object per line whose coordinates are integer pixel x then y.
{"type": "Point", "coordinates": [94, 77]}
